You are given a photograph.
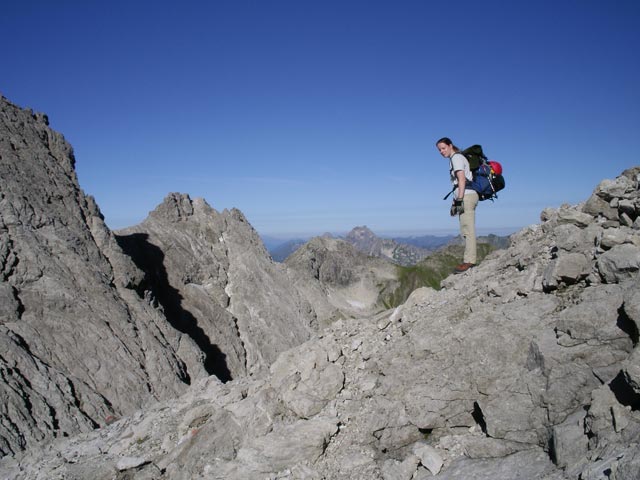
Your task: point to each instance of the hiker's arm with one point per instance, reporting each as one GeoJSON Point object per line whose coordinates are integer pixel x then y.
{"type": "Point", "coordinates": [462, 183]}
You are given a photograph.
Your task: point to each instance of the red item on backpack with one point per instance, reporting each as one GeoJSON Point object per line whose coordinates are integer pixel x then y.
{"type": "Point", "coordinates": [495, 167]}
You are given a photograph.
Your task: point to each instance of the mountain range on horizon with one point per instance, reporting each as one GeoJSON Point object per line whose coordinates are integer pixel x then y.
{"type": "Point", "coordinates": [404, 251]}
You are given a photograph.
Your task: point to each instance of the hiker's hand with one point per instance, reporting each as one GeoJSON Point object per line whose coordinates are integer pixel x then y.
{"type": "Point", "coordinates": [457, 208]}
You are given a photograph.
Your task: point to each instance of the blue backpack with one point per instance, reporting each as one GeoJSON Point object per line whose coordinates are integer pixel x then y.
{"type": "Point", "coordinates": [487, 181]}
{"type": "Point", "coordinates": [487, 175]}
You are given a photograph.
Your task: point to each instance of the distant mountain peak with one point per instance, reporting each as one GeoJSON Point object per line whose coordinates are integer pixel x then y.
{"type": "Point", "coordinates": [368, 242]}
{"type": "Point", "coordinates": [362, 232]}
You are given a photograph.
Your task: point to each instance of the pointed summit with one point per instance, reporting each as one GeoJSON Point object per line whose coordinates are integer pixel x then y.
{"type": "Point", "coordinates": [368, 242]}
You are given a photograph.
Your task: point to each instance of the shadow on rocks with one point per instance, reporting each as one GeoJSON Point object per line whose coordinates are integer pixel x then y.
{"type": "Point", "coordinates": [150, 259]}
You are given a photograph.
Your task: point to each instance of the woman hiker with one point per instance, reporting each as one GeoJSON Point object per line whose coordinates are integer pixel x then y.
{"type": "Point", "coordinates": [465, 200]}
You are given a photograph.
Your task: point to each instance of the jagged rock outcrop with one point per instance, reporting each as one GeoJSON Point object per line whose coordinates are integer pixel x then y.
{"type": "Point", "coordinates": [339, 280]}
{"type": "Point", "coordinates": [523, 367]}
{"type": "Point", "coordinates": [78, 343]}
{"type": "Point", "coordinates": [216, 282]}
{"type": "Point", "coordinates": [369, 243]}
{"type": "Point", "coordinates": [92, 325]}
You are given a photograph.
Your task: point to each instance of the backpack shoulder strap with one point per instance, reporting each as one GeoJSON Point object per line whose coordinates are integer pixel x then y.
{"type": "Point", "coordinates": [449, 194]}
{"type": "Point", "coordinates": [451, 159]}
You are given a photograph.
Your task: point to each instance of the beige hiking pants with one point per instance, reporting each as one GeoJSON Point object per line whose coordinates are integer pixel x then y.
{"type": "Point", "coordinates": [468, 226]}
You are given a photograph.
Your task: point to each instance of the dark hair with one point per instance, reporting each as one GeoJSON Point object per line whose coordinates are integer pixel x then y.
{"type": "Point", "coordinates": [448, 141]}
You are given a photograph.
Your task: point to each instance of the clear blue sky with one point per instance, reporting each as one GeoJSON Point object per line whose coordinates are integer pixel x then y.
{"type": "Point", "coordinates": [316, 116]}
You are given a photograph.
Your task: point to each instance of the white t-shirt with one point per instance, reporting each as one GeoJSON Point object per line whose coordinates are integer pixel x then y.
{"type": "Point", "coordinates": [459, 162]}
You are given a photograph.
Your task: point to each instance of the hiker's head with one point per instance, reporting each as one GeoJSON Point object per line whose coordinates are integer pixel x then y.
{"type": "Point", "coordinates": [446, 147]}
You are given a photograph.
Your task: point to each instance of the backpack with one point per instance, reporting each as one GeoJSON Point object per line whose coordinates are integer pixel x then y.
{"type": "Point", "coordinates": [487, 174]}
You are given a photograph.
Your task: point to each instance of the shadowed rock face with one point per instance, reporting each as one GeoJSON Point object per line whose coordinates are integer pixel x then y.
{"type": "Point", "coordinates": [217, 284]}
{"type": "Point", "coordinates": [151, 259]}
{"type": "Point", "coordinates": [78, 343]}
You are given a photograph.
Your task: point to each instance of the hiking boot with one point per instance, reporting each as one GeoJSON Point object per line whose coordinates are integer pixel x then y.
{"type": "Point", "coordinates": [463, 267]}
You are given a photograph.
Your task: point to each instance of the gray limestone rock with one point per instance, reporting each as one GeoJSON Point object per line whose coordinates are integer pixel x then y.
{"type": "Point", "coordinates": [217, 284]}
{"type": "Point", "coordinates": [628, 207]}
{"type": "Point", "coordinates": [597, 206]}
{"type": "Point", "coordinates": [429, 458]}
{"type": "Point", "coordinates": [404, 470]}
{"type": "Point", "coordinates": [80, 343]}
{"type": "Point", "coordinates": [524, 465]}
{"type": "Point", "coordinates": [628, 467]}
{"type": "Point", "coordinates": [567, 269]}
{"type": "Point", "coordinates": [631, 308]}
{"type": "Point", "coordinates": [288, 445]}
{"type": "Point", "coordinates": [626, 220]}
{"type": "Point", "coordinates": [608, 424]}
{"type": "Point", "coordinates": [570, 444]}
{"type": "Point", "coordinates": [619, 236]}
{"type": "Point", "coordinates": [620, 263]}
{"type": "Point", "coordinates": [575, 217]}
{"type": "Point", "coordinates": [481, 446]}
{"type": "Point", "coordinates": [571, 238]}
{"type": "Point", "coordinates": [307, 379]}
{"type": "Point", "coordinates": [617, 188]}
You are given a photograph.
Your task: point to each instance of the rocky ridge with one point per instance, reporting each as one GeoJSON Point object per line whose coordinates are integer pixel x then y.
{"type": "Point", "coordinates": [93, 325]}
{"type": "Point", "coordinates": [370, 244]}
{"type": "Point", "coordinates": [71, 317]}
{"type": "Point", "coordinates": [525, 367]}
{"type": "Point", "coordinates": [215, 280]}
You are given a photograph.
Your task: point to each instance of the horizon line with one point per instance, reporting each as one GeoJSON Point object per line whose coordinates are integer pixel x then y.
{"type": "Point", "coordinates": [439, 232]}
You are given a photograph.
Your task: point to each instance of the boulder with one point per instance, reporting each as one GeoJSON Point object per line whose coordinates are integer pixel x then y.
{"type": "Point", "coordinates": [575, 217]}
{"type": "Point", "coordinates": [620, 263]}
{"type": "Point", "coordinates": [617, 188]}
{"type": "Point", "coordinates": [596, 206]}
{"type": "Point", "coordinates": [566, 269]}
{"type": "Point", "coordinates": [429, 457]}
{"type": "Point", "coordinates": [570, 444]}
{"type": "Point", "coordinates": [618, 236]}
